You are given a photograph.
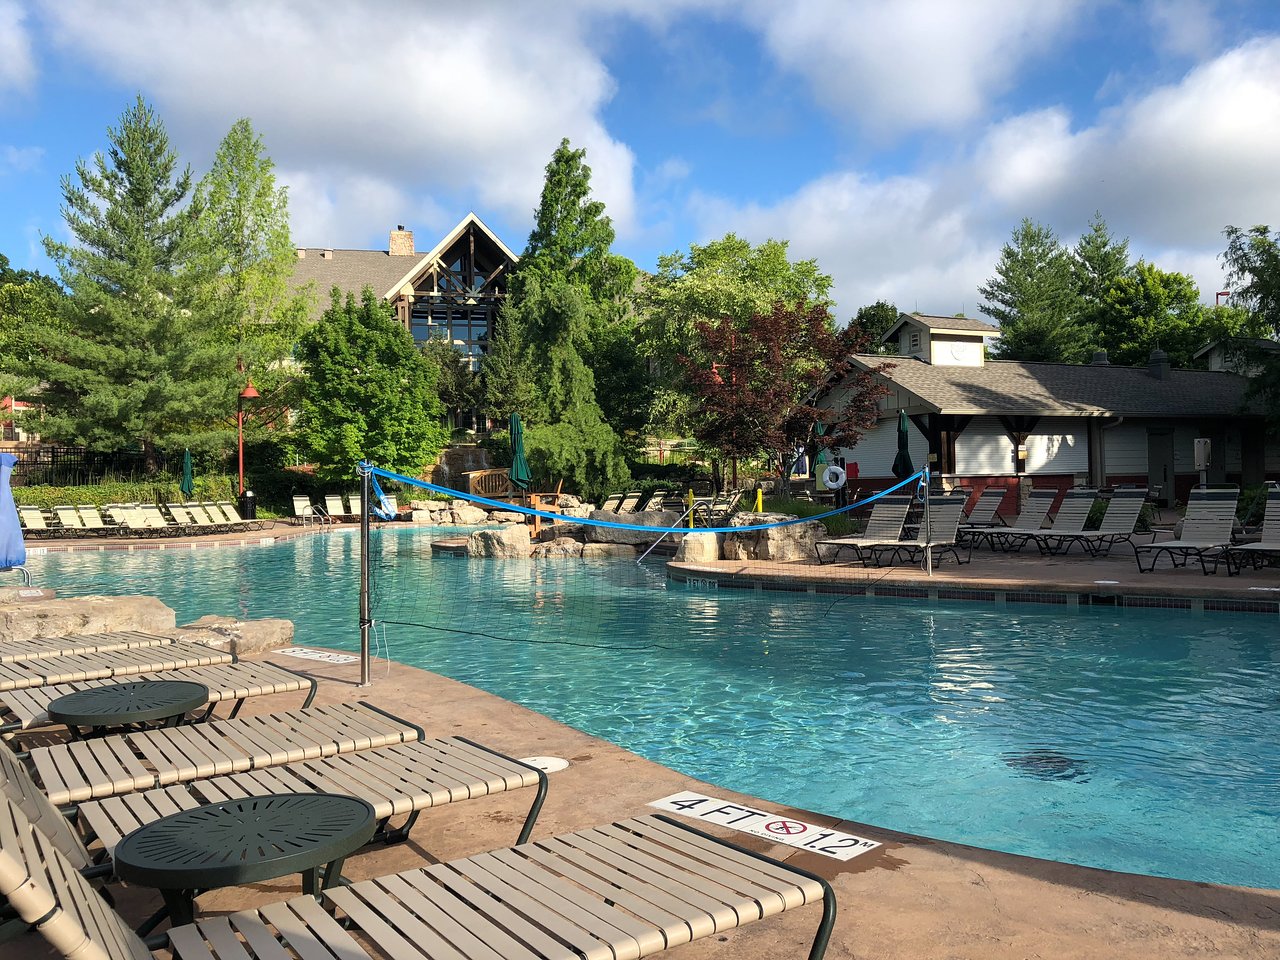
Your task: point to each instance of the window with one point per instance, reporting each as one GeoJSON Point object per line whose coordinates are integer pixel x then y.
{"type": "Point", "coordinates": [914, 342]}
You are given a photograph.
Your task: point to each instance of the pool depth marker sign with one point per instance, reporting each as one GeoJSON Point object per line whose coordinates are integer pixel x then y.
{"type": "Point", "coordinates": [771, 826]}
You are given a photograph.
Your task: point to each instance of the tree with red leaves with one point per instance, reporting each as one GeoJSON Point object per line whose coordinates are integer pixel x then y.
{"type": "Point", "coordinates": [761, 386]}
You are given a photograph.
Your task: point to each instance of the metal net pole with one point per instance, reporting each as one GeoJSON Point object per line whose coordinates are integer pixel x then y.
{"type": "Point", "coordinates": [365, 622]}
{"type": "Point", "coordinates": [928, 529]}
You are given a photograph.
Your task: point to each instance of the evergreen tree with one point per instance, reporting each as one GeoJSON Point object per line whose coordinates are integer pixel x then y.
{"type": "Point", "coordinates": [1034, 298]}
{"type": "Point", "coordinates": [456, 383]}
{"type": "Point", "coordinates": [370, 393]}
{"type": "Point", "coordinates": [1098, 261]}
{"type": "Point", "coordinates": [133, 363]}
{"type": "Point", "coordinates": [242, 234]}
{"type": "Point", "coordinates": [507, 376]}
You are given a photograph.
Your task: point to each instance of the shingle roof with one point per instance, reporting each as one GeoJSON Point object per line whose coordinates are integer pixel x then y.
{"type": "Point", "coordinates": [952, 323]}
{"type": "Point", "coordinates": [1061, 389]}
{"type": "Point", "coordinates": [350, 271]}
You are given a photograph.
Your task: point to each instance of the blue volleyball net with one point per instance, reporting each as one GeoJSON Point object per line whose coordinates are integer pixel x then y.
{"type": "Point", "coordinates": [592, 579]}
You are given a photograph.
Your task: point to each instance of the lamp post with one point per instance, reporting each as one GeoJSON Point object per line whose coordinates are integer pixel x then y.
{"type": "Point", "coordinates": [248, 393]}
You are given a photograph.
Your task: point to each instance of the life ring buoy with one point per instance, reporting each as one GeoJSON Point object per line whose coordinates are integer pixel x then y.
{"type": "Point", "coordinates": [833, 478]}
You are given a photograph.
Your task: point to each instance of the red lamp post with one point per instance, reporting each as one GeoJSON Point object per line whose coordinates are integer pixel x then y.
{"type": "Point", "coordinates": [248, 393]}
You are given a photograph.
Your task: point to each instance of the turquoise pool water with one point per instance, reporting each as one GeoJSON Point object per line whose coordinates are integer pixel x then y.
{"type": "Point", "coordinates": [1137, 740]}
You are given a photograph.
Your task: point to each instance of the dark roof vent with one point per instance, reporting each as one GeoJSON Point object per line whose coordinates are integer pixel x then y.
{"type": "Point", "coordinates": [1158, 365]}
{"type": "Point", "coordinates": [1100, 359]}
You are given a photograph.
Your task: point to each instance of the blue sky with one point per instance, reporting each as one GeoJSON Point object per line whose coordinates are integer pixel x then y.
{"type": "Point", "coordinates": [898, 144]}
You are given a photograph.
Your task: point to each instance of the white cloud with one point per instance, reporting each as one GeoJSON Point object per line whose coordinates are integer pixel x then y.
{"type": "Point", "coordinates": [911, 64]}
{"type": "Point", "coordinates": [17, 63]}
{"type": "Point", "coordinates": [19, 159]}
{"type": "Point", "coordinates": [1168, 169]}
{"type": "Point", "coordinates": [470, 100]}
{"type": "Point", "coordinates": [1183, 28]}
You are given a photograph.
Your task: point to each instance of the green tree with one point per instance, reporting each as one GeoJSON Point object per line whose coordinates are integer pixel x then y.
{"type": "Point", "coordinates": [507, 377]}
{"type": "Point", "coordinates": [875, 320]}
{"type": "Point", "coordinates": [725, 281]}
{"type": "Point", "coordinates": [1149, 308]}
{"type": "Point", "coordinates": [1252, 259]}
{"type": "Point", "coordinates": [369, 394]}
{"type": "Point", "coordinates": [242, 237]}
{"type": "Point", "coordinates": [29, 304]}
{"type": "Point", "coordinates": [133, 362]}
{"type": "Point", "coordinates": [1034, 298]}
{"type": "Point", "coordinates": [1098, 261]}
{"type": "Point", "coordinates": [456, 383]}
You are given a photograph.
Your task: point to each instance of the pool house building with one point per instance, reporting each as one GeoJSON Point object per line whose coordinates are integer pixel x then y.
{"type": "Point", "coordinates": [982, 422]}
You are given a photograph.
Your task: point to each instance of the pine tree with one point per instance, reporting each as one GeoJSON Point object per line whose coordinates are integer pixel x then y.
{"type": "Point", "coordinates": [134, 364]}
{"type": "Point", "coordinates": [1035, 300]}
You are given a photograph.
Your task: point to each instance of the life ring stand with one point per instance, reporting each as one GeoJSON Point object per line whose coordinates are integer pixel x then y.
{"type": "Point", "coordinates": [833, 478]}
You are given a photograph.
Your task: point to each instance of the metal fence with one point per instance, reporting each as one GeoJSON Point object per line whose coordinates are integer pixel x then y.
{"type": "Point", "coordinates": [76, 466]}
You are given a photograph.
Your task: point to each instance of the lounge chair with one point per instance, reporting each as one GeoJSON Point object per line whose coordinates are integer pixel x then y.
{"type": "Point", "coordinates": [207, 517]}
{"type": "Point", "coordinates": [233, 519]}
{"type": "Point", "coordinates": [1068, 523]}
{"type": "Point", "coordinates": [34, 523]}
{"type": "Point", "coordinates": [631, 501]}
{"type": "Point", "coordinates": [983, 515]}
{"type": "Point", "coordinates": [719, 510]}
{"type": "Point", "coordinates": [154, 518]}
{"type": "Point", "coordinates": [1119, 524]}
{"type": "Point", "coordinates": [91, 519]}
{"type": "Point", "coordinates": [1268, 548]}
{"type": "Point", "coordinates": [304, 511]}
{"type": "Point", "coordinates": [1030, 520]}
{"type": "Point", "coordinates": [335, 508]}
{"type": "Point", "coordinates": [42, 648]}
{"type": "Point", "coordinates": [1206, 532]}
{"type": "Point", "coordinates": [888, 514]}
{"type": "Point", "coordinates": [235, 683]}
{"type": "Point", "coordinates": [945, 514]}
{"type": "Point", "coordinates": [611, 502]}
{"type": "Point", "coordinates": [72, 667]}
{"type": "Point", "coordinates": [69, 522]}
{"type": "Point", "coordinates": [626, 889]}
{"type": "Point", "coordinates": [106, 766]}
{"type": "Point", "coordinates": [128, 520]}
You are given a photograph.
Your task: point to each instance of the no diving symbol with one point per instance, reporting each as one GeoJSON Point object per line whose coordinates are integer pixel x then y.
{"type": "Point", "coordinates": [788, 828]}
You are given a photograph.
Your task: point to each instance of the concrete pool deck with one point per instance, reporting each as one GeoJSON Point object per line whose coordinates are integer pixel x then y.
{"type": "Point", "coordinates": [911, 898]}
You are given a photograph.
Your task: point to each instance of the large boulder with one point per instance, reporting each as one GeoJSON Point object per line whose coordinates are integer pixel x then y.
{"type": "Point", "coordinates": [506, 516]}
{"type": "Point", "coordinates": [240, 637]}
{"type": "Point", "coordinates": [559, 548]}
{"type": "Point", "coordinates": [699, 547]}
{"type": "Point", "coordinates": [656, 520]}
{"type": "Point", "coordinates": [602, 551]}
{"type": "Point", "coordinates": [465, 514]}
{"type": "Point", "coordinates": [54, 618]}
{"type": "Point", "coordinates": [796, 542]}
{"type": "Point", "coordinates": [509, 541]}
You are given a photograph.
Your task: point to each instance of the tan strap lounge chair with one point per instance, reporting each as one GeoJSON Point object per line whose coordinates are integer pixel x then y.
{"type": "Point", "coordinates": [89, 769]}
{"type": "Point", "coordinates": [1034, 513]}
{"type": "Point", "coordinates": [623, 890]}
{"type": "Point", "coordinates": [41, 648]}
{"type": "Point", "coordinates": [945, 514]}
{"type": "Point", "coordinates": [33, 522]}
{"type": "Point", "coordinates": [1068, 522]}
{"type": "Point", "coordinates": [611, 502]}
{"type": "Point", "coordinates": [1119, 524]}
{"type": "Point", "coordinates": [1266, 549]}
{"type": "Point", "coordinates": [69, 522]}
{"type": "Point", "coordinates": [233, 519]}
{"type": "Point", "coordinates": [91, 518]}
{"type": "Point", "coordinates": [1206, 532]}
{"type": "Point", "coordinates": [984, 515]}
{"type": "Point", "coordinates": [631, 501]}
{"type": "Point", "coordinates": [73, 667]}
{"type": "Point", "coordinates": [227, 683]}
{"type": "Point", "coordinates": [888, 515]}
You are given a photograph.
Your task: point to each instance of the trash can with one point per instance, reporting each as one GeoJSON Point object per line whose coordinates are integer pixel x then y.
{"type": "Point", "coordinates": [248, 506]}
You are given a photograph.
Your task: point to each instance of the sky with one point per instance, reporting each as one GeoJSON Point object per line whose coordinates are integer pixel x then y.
{"type": "Point", "coordinates": [898, 144]}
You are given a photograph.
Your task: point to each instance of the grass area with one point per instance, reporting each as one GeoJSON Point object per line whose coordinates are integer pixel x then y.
{"type": "Point", "coordinates": [838, 526]}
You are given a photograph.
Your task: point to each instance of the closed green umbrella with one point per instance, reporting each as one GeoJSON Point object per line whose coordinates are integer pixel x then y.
{"type": "Point", "coordinates": [902, 467]}
{"type": "Point", "coordinates": [519, 472]}
{"type": "Point", "coordinates": [188, 484]}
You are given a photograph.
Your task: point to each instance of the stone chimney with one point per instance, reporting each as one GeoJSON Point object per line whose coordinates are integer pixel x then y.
{"type": "Point", "coordinates": [1100, 359]}
{"type": "Point", "coordinates": [401, 242]}
{"type": "Point", "coordinates": [1158, 365]}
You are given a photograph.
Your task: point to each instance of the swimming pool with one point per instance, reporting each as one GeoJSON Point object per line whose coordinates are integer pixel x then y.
{"type": "Point", "coordinates": [1137, 740]}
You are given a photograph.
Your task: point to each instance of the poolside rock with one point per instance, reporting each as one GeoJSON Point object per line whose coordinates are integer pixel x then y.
{"type": "Point", "coordinates": [699, 547]}
{"type": "Point", "coordinates": [509, 541]}
{"type": "Point", "coordinates": [660, 519]}
{"type": "Point", "coordinates": [796, 542]}
{"type": "Point", "coordinates": [600, 551]}
{"type": "Point", "coordinates": [53, 618]}
{"type": "Point", "coordinates": [464, 514]}
{"type": "Point", "coordinates": [240, 637]}
{"type": "Point", "coordinates": [559, 548]}
{"type": "Point", "coordinates": [506, 516]}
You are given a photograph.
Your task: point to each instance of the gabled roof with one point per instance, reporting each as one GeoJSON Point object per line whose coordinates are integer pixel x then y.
{"type": "Point", "coordinates": [1011, 387]}
{"type": "Point", "coordinates": [348, 270]}
{"type": "Point", "coordinates": [942, 325]}
{"type": "Point", "coordinates": [1239, 343]}
{"type": "Point", "coordinates": [429, 259]}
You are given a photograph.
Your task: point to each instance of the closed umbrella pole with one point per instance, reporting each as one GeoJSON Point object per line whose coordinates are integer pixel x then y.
{"type": "Point", "coordinates": [902, 466]}
{"type": "Point", "coordinates": [519, 473]}
{"type": "Point", "coordinates": [188, 484]}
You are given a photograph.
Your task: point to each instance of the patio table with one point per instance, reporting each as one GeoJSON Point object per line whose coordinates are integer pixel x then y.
{"type": "Point", "coordinates": [128, 703]}
{"type": "Point", "coordinates": [243, 841]}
